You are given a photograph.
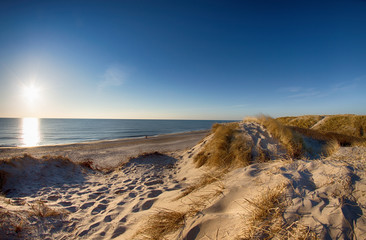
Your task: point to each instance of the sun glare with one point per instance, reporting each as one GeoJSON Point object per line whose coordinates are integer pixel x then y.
{"type": "Point", "coordinates": [30, 132]}
{"type": "Point", "coordinates": [31, 93]}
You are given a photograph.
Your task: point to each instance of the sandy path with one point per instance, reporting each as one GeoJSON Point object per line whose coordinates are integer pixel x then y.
{"type": "Point", "coordinates": [97, 205]}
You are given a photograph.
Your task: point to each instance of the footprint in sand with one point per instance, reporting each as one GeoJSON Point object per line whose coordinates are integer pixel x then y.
{"type": "Point", "coordinates": [98, 209]}
{"type": "Point", "coordinates": [119, 191]}
{"type": "Point", "coordinates": [53, 197]}
{"type": "Point", "coordinates": [154, 182]}
{"type": "Point", "coordinates": [87, 205]}
{"type": "Point", "coordinates": [83, 233]}
{"type": "Point", "coordinates": [72, 192]}
{"type": "Point", "coordinates": [121, 203]}
{"type": "Point", "coordinates": [94, 225]}
{"type": "Point", "coordinates": [114, 177]}
{"type": "Point", "coordinates": [102, 196]}
{"type": "Point", "coordinates": [65, 204]}
{"type": "Point", "coordinates": [72, 209]}
{"type": "Point", "coordinates": [147, 205]}
{"type": "Point", "coordinates": [93, 195]}
{"type": "Point", "coordinates": [108, 218]}
{"type": "Point", "coordinates": [102, 189]}
{"type": "Point", "coordinates": [154, 193]}
{"type": "Point", "coordinates": [118, 231]}
{"type": "Point", "coordinates": [132, 194]}
{"type": "Point", "coordinates": [82, 193]}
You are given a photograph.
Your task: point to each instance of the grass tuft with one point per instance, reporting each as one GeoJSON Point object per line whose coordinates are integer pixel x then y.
{"type": "Point", "coordinates": [163, 222]}
{"type": "Point", "coordinates": [167, 221]}
{"type": "Point", "coordinates": [266, 218]}
{"type": "Point", "coordinates": [227, 148]}
{"type": "Point", "coordinates": [40, 209]}
{"type": "Point", "coordinates": [331, 147]}
{"type": "Point", "coordinates": [203, 181]}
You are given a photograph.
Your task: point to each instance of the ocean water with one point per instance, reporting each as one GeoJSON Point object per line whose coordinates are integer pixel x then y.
{"type": "Point", "coordinates": [27, 132]}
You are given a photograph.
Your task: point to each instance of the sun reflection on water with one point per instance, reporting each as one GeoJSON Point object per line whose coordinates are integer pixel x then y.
{"type": "Point", "coordinates": [30, 132]}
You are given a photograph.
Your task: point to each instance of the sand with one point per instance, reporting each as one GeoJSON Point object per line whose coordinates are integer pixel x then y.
{"type": "Point", "coordinates": [111, 153]}
{"type": "Point", "coordinates": [326, 197]}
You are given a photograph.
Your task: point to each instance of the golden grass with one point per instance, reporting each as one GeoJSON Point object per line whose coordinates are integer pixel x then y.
{"type": "Point", "coordinates": [163, 222]}
{"type": "Point", "coordinates": [346, 124]}
{"type": "Point", "coordinates": [263, 155]}
{"type": "Point", "coordinates": [351, 125]}
{"type": "Point", "coordinates": [167, 221]}
{"type": "Point", "coordinates": [331, 147]}
{"type": "Point", "coordinates": [290, 139]}
{"type": "Point", "coordinates": [12, 224]}
{"type": "Point", "coordinates": [227, 148]}
{"type": "Point", "coordinates": [266, 220]}
{"type": "Point", "coordinates": [40, 209]}
{"type": "Point", "coordinates": [265, 217]}
{"type": "Point", "coordinates": [202, 182]}
{"type": "Point", "coordinates": [291, 136]}
{"type": "Point", "coordinates": [306, 121]}
{"type": "Point", "coordinates": [343, 140]}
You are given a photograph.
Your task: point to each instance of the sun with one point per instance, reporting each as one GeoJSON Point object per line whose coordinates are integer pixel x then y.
{"type": "Point", "coordinates": [31, 92]}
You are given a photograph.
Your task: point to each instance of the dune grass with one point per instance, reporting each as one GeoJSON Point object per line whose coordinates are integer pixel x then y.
{"type": "Point", "coordinates": [167, 221]}
{"type": "Point", "coordinates": [227, 148]}
{"type": "Point", "coordinates": [265, 218]}
{"type": "Point", "coordinates": [290, 139]}
{"type": "Point", "coordinates": [306, 121]}
{"type": "Point", "coordinates": [343, 140]}
{"type": "Point", "coordinates": [163, 222]}
{"type": "Point", "coordinates": [13, 225]}
{"type": "Point", "coordinates": [346, 124]}
{"type": "Point", "coordinates": [351, 125]}
{"type": "Point", "coordinates": [285, 120]}
{"type": "Point", "coordinates": [40, 209]}
{"type": "Point", "coordinates": [202, 181]}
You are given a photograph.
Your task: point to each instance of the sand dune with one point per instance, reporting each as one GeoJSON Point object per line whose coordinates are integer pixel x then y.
{"type": "Point", "coordinates": [55, 198]}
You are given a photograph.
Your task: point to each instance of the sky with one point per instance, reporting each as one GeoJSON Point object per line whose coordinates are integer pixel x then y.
{"type": "Point", "coordinates": [204, 59]}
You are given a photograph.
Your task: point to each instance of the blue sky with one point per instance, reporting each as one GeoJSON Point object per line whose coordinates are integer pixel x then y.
{"type": "Point", "coordinates": [182, 59]}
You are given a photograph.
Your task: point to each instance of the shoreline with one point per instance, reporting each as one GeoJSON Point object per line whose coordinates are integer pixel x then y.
{"type": "Point", "coordinates": [111, 153]}
{"type": "Point", "coordinates": [101, 141]}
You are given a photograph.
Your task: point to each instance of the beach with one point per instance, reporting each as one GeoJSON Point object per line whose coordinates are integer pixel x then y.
{"type": "Point", "coordinates": [152, 188]}
{"type": "Point", "coordinates": [111, 153]}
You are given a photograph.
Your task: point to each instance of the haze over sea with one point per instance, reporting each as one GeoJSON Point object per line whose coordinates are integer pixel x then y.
{"type": "Point", "coordinates": [28, 132]}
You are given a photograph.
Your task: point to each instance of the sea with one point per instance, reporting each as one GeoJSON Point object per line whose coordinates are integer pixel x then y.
{"type": "Point", "coordinates": [29, 132]}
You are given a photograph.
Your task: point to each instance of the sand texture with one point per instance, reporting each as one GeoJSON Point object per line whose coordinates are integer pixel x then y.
{"type": "Point", "coordinates": [146, 197]}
